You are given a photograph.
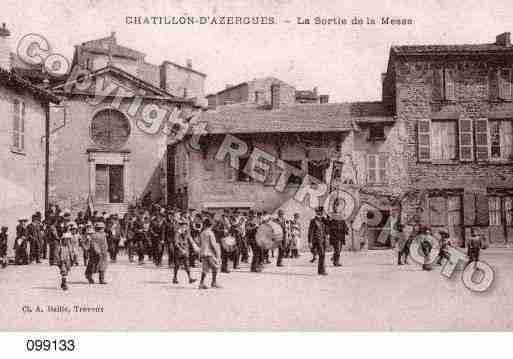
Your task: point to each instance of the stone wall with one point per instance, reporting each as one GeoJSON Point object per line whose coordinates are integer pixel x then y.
{"type": "Point", "coordinates": [418, 97]}
{"type": "Point", "coordinates": [23, 172]}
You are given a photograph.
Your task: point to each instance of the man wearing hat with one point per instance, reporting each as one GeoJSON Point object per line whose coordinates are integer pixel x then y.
{"type": "Point", "coordinates": [283, 245]}
{"type": "Point", "coordinates": [35, 238]}
{"type": "Point", "coordinates": [337, 231]}
{"type": "Point", "coordinates": [113, 233]}
{"type": "Point", "coordinates": [21, 243]}
{"type": "Point", "coordinates": [65, 258]}
{"type": "Point", "coordinates": [182, 244]}
{"type": "Point", "coordinates": [98, 254]}
{"type": "Point", "coordinates": [317, 239]}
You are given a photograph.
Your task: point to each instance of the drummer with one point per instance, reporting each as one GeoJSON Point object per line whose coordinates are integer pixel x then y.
{"type": "Point", "coordinates": [283, 245]}
{"type": "Point", "coordinates": [222, 230]}
{"type": "Point", "coordinates": [251, 229]}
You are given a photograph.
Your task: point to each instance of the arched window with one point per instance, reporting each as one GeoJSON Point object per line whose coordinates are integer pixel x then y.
{"type": "Point", "coordinates": [110, 128]}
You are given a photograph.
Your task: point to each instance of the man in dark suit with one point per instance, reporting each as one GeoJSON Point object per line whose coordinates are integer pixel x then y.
{"type": "Point", "coordinates": [317, 239]}
{"type": "Point", "coordinates": [337, 230]}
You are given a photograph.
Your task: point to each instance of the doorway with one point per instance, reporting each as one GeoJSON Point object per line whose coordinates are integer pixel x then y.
{"type": "Point", "coordinates": [109, 184]}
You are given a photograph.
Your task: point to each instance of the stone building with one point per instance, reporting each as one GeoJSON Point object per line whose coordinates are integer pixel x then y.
{"type": "Point", "coordinates": [109, 136]}
{"type": "Point", "coordinates": [258, 91]}
{"type": "Point", "coordinates": [23, 108]}
{"type": "Point", "coordinates": [456, 104]}
{"type": "Point", "coordinates": [356, 147]}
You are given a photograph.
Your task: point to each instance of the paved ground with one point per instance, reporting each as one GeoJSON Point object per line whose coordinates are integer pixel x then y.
{"type": "Point", "coordinates": [367, 293]}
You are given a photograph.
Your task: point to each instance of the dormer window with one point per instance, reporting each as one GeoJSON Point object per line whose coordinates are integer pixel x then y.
{"type": "Point", "coordinates": [377, 132]}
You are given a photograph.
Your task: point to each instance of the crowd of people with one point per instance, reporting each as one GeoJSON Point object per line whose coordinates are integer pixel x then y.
{"type": "Point", "coordinates": [190, 237]}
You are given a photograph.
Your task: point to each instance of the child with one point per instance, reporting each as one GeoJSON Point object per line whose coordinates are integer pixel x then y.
{"type": "Point", "coordinates": [65, 258]}
{"type": "Point", "coordinates": [75, 243]}
{"type": "Point", "coordinates": [3, 246]}
{"type": "Point", "coordinates": [444, 243]}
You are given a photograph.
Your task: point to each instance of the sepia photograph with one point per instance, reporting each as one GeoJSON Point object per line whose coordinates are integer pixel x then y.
{"type": "Point", "coordinates": [242, 166]}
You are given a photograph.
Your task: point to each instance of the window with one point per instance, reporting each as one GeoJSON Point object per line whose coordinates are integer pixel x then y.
{"type": "Point", "coordinates": [494, 207]}
{"type": "Point", "coordinates": [241, 175]}
{"type": "Point", "coordinates": [377, 168]}
{"type": "Point", "coordinates": [444, 85]}
{"type": "Point", "coordinates": [449, 88]}
{"type": "Point", "coordinates": [110, 128]}
{"type": "Point", "coordinates": [376, 132]}
{"type": "Point", "coordinates": [501, 138]}
{"type": "Point", "coordinates": [504, 77]}
{"type": "Point", "coordinates": [316, 169]}
{"type": "Point", "coordinates": [109, 183]}
{"type": "Point", "coordinates": [444, 140]}
{"type": "Point", "coordinates": [293, 179]}
{"type": "Point", "coordinates": [18, 129]}
{"type": "Point", "coordinates": [258, 97]}
{"type": "Point", "coordinates": [446, 210]}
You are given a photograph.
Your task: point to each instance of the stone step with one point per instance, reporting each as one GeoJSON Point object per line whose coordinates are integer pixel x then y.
{"type": "Point", "coordinates": [112, 208]}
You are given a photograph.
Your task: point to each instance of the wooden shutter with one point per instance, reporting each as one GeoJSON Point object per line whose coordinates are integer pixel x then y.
{"type": "Point", "coordinates": [505, 84]}
{"type": "Point", "coordinates": [469, 209]}
{"type": "Point", "coordinates": [424, 139]}
{"type": "Point", "coordinates": [372, 170]}
{"type": "Point", "coordinates": [449, 85]}
{"type": "Point", "coordinates": [482, 211]}
{"type": "Point", "coordinates": [482, 148]}
{"type": "Point", "coordinates": [438, 90]}
{"type": "Point", "coordinates": [466, 143]}
{"type": "Point", "coordinates": [493, 84]}
{"type": "Point", "coordinates": [382, 168]}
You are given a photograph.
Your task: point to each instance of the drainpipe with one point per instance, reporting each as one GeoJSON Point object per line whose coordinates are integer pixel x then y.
{"type": "Point", "coordinates": [47, 156]}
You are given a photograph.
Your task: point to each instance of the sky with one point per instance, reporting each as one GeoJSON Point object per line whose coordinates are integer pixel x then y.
{"type": "Point", "coordinates": [344, 61]}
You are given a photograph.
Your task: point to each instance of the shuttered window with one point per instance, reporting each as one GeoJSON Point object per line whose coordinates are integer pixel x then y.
{"type": "Point", "coordinates": [466, 142]}
{"type": "Point", "coordinates": [443, 140]}
{"type": "Point", "coordinates": [377, 168]}
{"type": "Point", "coordinates": [481, 139]}
{"type": "Point", "coordinates": [18, 125]}
{"type": "Point", "coordinates": [424, 140]}
{"type": "Point", "coordinates": [494, 207]}
{"type": "Point", "coordinates": [508, 210]}
{"type": "Point", "coordinates": [501, 138]}
{"type": "Point", "coordinates": [504, 77]}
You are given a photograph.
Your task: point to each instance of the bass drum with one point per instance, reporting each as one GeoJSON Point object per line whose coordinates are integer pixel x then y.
{"type": "Point", "coordinates": [228, 243]}
{"type": "Point", "coordinates": [269, 235]}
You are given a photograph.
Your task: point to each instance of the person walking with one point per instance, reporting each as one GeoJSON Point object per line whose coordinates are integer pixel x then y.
{"type": "Point", "coordinates": [181, 250]}
{"type": "Point", "coordinates": [98, 254]}
{"type": "Point", "coordinates": [210, 254]}
{"type": "Point", "coordinates": [317, 239]}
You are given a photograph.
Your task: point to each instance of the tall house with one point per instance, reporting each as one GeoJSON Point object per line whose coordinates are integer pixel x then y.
{"type": "Point", "coordinates": [456, 103]}
{"type": "Point", "coordinates": [23, 119]}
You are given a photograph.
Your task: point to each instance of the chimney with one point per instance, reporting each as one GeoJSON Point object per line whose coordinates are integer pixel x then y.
{"type": "Point", "coordinates": [113, 36]}
{"type": "Point", "coordinates": [5, 48]}
{"type": "Point", "coordinates": [503, 39]}
{"type": "Point", "coordinates": [315, 89]}
{"type": "Point", "coordinates": [275, 96]}
{"type": "Point", "coordinates": [189, 63]}
{"type": "Point", "coordinates": [227, 86]}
